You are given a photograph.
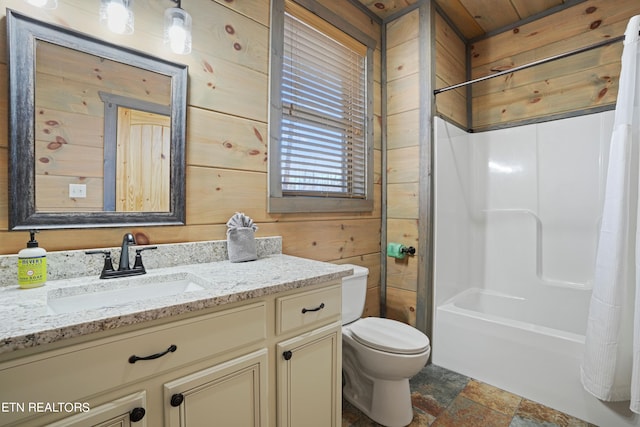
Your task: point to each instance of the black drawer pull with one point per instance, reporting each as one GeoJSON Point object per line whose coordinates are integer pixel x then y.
{"type": "Point", "coordinates": [318, 308]}
{"type": "Point", "coordinates": [287, 355]}
{"type": "Point", "coordinates": [171, 349]}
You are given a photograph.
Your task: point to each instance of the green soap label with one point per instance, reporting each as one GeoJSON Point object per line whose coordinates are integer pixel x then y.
{"type": "Point", "coordinates": [32, 271]}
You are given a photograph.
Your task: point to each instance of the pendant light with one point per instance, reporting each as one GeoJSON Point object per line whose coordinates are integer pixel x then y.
{"type": "Point", "coordinates": [117, 15]}
{"type": "Point", "coordinates": [177, 29]}
{"type": "Point", "coordinates": [44, 4]}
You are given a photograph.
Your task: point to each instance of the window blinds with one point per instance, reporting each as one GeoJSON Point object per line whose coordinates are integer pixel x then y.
{"type": "Point", "coordinates": [323, 136]}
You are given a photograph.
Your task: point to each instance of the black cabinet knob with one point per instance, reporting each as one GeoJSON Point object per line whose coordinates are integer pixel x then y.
{"type": "Point", "coordinates": [136, 414]}
{"type": "Point", "coordinates": [287, 355]}
{"type": "Point", "coordinates": [177, 399]}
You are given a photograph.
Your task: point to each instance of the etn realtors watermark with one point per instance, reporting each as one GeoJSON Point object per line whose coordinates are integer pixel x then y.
{"type": "Point", "coordinates": [44, 407]}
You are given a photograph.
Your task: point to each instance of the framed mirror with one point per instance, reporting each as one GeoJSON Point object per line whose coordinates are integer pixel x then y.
{"type": "Point", "coordinates": [96, 131]}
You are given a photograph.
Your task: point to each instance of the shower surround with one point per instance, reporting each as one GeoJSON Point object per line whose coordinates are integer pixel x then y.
{"type": "Point", "coordinates": [516, 229]}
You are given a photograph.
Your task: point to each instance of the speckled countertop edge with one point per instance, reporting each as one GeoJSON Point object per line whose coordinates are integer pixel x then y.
{"type": "Point", "coordinates": [25, 321]}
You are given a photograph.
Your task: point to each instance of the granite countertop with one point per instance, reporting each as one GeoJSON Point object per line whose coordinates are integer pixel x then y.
{"type": "Point", "coordinates": [27, 321]}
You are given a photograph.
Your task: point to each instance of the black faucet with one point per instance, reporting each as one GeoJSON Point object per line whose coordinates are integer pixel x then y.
{"type": "Point", "coordinates": [108, 272]}
{"type": "Point", "coordinates": [127, 240]}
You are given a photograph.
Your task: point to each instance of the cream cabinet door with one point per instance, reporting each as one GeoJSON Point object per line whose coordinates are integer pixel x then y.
{"type": "Point", "coordinates": [233, 393]}
{"type": "Point", "coordinates": [309, 379]}
{"type": "Point", "coordinates": [128, 411]}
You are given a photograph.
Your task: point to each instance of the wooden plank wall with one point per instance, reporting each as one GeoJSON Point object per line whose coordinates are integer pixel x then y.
{"type": "Point", "coordinates": [226, 134]}
{"type": "Point", "coordinates": [403, 128]}
{"type": "Point", "coordinates": [584, 81]}
{"type": "Point", "coordinates": [450, 70]}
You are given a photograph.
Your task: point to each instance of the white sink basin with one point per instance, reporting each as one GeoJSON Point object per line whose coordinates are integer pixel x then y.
{"type": "Point", "coordinates": [114, 292]}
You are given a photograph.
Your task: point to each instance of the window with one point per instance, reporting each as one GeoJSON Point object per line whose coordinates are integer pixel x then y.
{"type": "Point", "coordinates": [320, 148]}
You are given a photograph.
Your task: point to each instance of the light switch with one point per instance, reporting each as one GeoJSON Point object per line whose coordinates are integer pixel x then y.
{"type": "Point", "coordinates": [77, 191]}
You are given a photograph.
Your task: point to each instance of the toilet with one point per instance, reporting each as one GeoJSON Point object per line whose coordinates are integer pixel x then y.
{"type": "Point", "coordinates": [379, 356]}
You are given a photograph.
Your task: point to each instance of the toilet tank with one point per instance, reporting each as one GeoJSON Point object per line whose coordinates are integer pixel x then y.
{"type": "Point", "coordinates": [354, 293]}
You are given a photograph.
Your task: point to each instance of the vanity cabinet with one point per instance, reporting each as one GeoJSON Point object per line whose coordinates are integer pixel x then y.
{"type": "Point", "coordinates": [101, 370]}
{"type": "Point", "coordinates": [310, 363]}
{"type": "Point", "coordinates": [222, 366]}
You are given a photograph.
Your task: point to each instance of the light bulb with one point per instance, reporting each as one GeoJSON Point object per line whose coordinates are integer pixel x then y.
{"type": "Point", "coordinates": [177, 36]}
{"type": "Point", "coordinates": [117, 16]}
{"type": "Point", "coordinates": [177, 30]}
{"type": "Point", "coordinates": [45, 4]}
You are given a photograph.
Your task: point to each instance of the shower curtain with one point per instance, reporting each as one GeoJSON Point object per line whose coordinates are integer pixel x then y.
{"type": "Point", "coordinates": [611, 365]}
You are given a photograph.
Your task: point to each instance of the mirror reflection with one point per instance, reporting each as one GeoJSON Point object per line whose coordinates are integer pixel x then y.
{"type": "Point", "coordinates": [81, 165]}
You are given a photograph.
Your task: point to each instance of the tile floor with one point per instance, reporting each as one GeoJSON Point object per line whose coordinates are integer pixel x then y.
{"type": "Point", "coordinates": [442, 398]}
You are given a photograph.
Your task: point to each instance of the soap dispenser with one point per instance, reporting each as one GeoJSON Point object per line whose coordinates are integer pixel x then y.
{"type": "Point", "coordinates": [32, 264]}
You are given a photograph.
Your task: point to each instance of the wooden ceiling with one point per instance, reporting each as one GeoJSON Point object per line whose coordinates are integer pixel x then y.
{"type": "Point", "coordinates": [474, 18]}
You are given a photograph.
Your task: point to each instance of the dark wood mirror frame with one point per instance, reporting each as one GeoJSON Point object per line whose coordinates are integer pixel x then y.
{"type": "Point", "coordinates": [22, 33]}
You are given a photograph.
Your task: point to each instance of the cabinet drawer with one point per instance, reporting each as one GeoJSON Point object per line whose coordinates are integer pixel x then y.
{"type": "Point", "coordinates": [72, 373]}
{"type": "Point", "coordinates": [308, 308]}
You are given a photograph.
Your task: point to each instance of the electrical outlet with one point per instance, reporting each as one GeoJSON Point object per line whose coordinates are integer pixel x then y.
{"type": "Point", "coordinates": [77, 191]}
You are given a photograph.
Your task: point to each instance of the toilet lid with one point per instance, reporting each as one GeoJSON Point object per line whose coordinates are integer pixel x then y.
{"type": "Point", "coordinates": [389, 335]}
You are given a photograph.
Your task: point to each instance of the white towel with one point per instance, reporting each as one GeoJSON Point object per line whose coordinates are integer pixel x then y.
{"type": "Point", "coordinates": [241, 242]}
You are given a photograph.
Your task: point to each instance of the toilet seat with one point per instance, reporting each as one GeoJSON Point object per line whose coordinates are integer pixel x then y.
{"type": "Point", "coordinates": [389, 336]}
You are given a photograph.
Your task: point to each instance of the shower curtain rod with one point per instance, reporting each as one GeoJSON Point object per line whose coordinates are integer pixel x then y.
{"type": "Point", "coordinates": [531, 64]}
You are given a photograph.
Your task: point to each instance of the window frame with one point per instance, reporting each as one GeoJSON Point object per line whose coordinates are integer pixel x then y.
{"type": "Point", "coordinates": [277, 201]}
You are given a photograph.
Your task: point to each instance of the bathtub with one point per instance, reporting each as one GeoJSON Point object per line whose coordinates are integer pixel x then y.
{"type": "Point", "coordinates": [529, 345]}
